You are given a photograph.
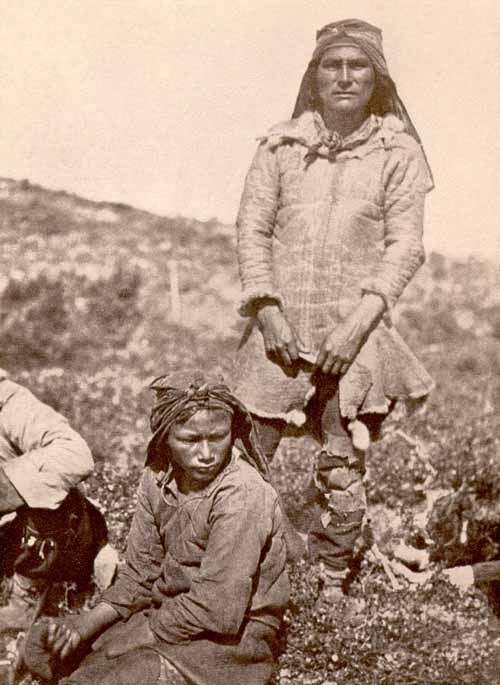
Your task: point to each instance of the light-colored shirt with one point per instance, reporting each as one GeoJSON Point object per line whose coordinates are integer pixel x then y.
{"type": "Point", "coordinates": [41, 455]}
{"type": "Point", "coordinates": [319, 225]}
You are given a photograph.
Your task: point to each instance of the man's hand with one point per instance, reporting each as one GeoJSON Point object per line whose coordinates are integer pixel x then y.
{"type": "Point", "coordinates": [339, 349]}
{"type": "Point", "coordinates": [342, 344]}
{"type": "Point", "coordinates": [279, 339]}
{"type": "Point", "coordinates": [63, 636]}
{"type": "Point", "coordinates": [124, 637]}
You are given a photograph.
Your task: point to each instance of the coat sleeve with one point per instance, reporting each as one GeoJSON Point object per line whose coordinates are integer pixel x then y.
{"type": "Point", "coordinates": [255, 226]}
{"type": "Point", "coordinates": [219, 596]}
{"type": "Point", "coordinates": [406, 182]}
{"type": "Point", "coordinates": [53, 457]}
{"type": "Point", "coordinates": [132, 588]}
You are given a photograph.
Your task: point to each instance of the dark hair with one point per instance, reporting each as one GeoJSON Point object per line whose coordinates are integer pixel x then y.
{"type": "Point", "coordinates": [383, 92]}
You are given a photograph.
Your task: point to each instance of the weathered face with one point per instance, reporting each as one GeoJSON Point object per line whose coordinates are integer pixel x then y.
{"type": "Point", "coordinates": [201, 446]}
{"type": "Point", "coordinates": [345, 80]}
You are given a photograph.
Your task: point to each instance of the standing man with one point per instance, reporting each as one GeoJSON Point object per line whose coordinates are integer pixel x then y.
{"type": "Point", "coordinates": [48, 530]}
{"type": "Point", "coordinates": [329, 234]}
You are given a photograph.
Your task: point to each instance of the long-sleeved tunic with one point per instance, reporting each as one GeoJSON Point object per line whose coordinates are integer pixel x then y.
{"type": "Point", "coordinates": [322, 221]}
{"type": "Point", "coordinates": [210, 569]}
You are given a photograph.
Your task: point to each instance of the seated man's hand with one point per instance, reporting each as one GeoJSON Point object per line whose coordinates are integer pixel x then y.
{"type": "Point", "coordinates": [46, 642]}
{"type": "Point", "coordinates": [63, 636]}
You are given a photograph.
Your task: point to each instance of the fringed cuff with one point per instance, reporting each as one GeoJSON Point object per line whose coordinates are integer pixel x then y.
{"type": "Point", "coordinates": [253, 298]}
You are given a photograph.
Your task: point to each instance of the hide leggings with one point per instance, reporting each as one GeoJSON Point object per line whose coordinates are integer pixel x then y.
{"type": "Point", "coordinates": [339, 500]}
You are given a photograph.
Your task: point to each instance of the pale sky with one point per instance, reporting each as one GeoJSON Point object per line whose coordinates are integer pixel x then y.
{"type": "Point", "coordinates": [158, 103]}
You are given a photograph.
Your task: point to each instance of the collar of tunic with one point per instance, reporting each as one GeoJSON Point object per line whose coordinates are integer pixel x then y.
{"type": "Point", "coordinates": [310, 131]}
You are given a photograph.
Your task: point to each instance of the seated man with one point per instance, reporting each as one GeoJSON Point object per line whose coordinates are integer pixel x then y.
{"type": "Point", "coordinates": [42, 459]}
{"type": "Point", "coordinates": [202, 593]}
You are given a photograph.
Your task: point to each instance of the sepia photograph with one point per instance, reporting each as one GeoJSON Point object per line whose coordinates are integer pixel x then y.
{"type": "Point", "coordinates": [249, 342]}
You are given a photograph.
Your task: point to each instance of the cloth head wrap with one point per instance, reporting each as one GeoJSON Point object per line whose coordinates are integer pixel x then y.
{"type": "Point", "coordinates": [369, 39]}
{"type": "Point", "coordinates": [187, 391]}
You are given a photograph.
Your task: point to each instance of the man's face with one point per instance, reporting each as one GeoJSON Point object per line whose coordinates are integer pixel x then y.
{"type": "Point", "coordinates": [345, 80]}
{"type": "Point", "coordinates": [201, 446]}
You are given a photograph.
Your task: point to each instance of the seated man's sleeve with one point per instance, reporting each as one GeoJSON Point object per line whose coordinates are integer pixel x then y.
{"type": "Point", "coordinates": [220, 596]}
{"type": "Point", "coordinates": [132, 588]}
{"type": "Point", "coordinates": [53, 457]}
